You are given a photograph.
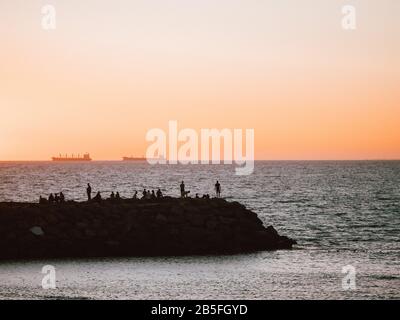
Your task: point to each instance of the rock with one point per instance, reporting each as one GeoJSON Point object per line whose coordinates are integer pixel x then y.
{"type": "Point", "coordinates": [112, 243]}
{"type": "Point", "coordinates": [161, 218]}
{"type": "Point", "coordinates": [81, 225]}
{"type": "Point", "coordinates": [211, 224]}
{"type": "Point", "coordinates": [225, 220]}
{"type": "Point", "coordinates": [90, 233]}
{"type": "Point", "coordinates": [177, 210]}
{"type": "Point", "coordinates": [37, 231]}
{"type": "Point", "coordinates": [272, 230]}
{"type": "Point", "coordinates": [197, 220]}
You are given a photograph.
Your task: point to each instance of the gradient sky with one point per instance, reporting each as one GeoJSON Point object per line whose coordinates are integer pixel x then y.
{"type": "Point", "coordinates": [114, 69]}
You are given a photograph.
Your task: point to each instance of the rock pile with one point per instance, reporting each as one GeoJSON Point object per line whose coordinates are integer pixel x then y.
{"type": "Point", "coordinates": [167, 226]}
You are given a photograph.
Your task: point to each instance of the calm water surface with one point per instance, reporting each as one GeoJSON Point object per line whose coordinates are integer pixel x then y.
{"type": "Point", "coordinates": [341, 213]}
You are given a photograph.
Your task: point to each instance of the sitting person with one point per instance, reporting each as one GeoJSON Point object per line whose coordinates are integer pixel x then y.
{"type": "Point", "coordinates": [51, 198]}
{"type": "Point", "coordinates": [117, 196]}
{"type": "Point", "coordinates": [42, 200]}
{"type": "Point", "coordinates": [144, 194]}
{"type": "Point", "coordinates": [62, 197]}
{"type": "Point", "coordinates": [112, 195]}
{"type": "Point", "coordinates": [97, 197]}
{"type": "Point", "coordinates": [159, 194]}
{"type": "Point", "coordinates": [135, 195]}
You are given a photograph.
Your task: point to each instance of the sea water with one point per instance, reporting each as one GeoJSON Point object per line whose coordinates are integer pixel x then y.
{"type": "Point", "coordinates": [342, 213]}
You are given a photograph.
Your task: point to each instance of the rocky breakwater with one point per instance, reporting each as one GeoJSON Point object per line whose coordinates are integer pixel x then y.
{"type": "Point", "coordinates": [167, 226]}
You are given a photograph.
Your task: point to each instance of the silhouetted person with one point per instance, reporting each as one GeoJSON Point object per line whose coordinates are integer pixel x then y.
{"type": "Point", "coordinates": [62, 197]}
{"type": "Point", "coordinates": [182, 186]}
{"type": "Point", "coordinates": [159, 194]}
{"type": "Point", "coordinates": [56, 198]}
{"type": "Point", "coordinates": [51, 198]}
{"type": "Point", "coordinates": [112, 195]}
{"type": "Point", "coordinates": [89, 192]}
{"type": "Point", "coordinates": [42, 200]}
{"type": "Point", "coordinates": [144, 194]}
{"type": "Point", "coordinates": [135, 195]}
{"type": "Point", "coordinates": [197, 196]}
{"type": "Point", "coordinates": [218, 189]}
{"type": "Point", "coordinates": [153, 195]}
{"type": "Point", "coordinates": [97, 197]}
{"type": "Point", "coordinates": [117, 196]}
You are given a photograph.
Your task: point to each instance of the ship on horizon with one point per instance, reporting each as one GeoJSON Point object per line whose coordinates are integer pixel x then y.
{"type": "Point", "coordinates": [86, 157]}
{"type": "Point", "coordinates": [131, 158]}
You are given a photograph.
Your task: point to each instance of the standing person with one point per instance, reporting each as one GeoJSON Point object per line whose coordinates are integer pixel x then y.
{"type": "Point", "coordinates": [218, 189]}
{"type": "Point", "coordinates": [89, 192]}
{"type": "Point", "coordinates": [182, 190]}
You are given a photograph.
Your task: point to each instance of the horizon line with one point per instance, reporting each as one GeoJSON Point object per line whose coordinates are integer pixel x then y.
{"type": "Point", "coordinates": [119, 160]}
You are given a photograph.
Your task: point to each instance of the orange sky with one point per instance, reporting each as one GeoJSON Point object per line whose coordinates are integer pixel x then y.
{"type": "Point", "coordinates": [114, 69]}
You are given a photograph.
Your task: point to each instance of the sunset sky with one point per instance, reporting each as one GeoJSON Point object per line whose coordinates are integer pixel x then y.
{"type": "Point", "coordinates": [112, 70]}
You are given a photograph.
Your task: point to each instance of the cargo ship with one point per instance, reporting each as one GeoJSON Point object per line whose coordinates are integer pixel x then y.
{"type": "Point", "coordinates": [86, 157]}
{"type": "Point", "coordinates": [133, 159]}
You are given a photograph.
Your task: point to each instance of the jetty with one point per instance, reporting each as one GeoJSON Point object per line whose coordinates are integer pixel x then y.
{"type": "Point", "coordinates": [132, 227]}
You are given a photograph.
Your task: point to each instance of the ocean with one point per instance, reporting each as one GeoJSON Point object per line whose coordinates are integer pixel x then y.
{"type": "Point", "coordinates": [342, 213]}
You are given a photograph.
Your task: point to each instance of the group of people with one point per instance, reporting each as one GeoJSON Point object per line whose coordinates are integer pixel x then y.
{"type": "Point", "coordinates": [185, 194]}
{"type": "Point", "coordinates": [56, 198]}
{"type": "Point", "coordinates": [97, 197]}
{"type": "Point", "coordinates": [146, 194]}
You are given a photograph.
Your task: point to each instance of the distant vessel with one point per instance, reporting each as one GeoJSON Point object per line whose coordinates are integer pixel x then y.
{"type": "Point", "coordinates": [86, 157]}
{"type": "Point", "coordinates": [141, 158]}
{"type": "Point", "coordinates": [133, 159]}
